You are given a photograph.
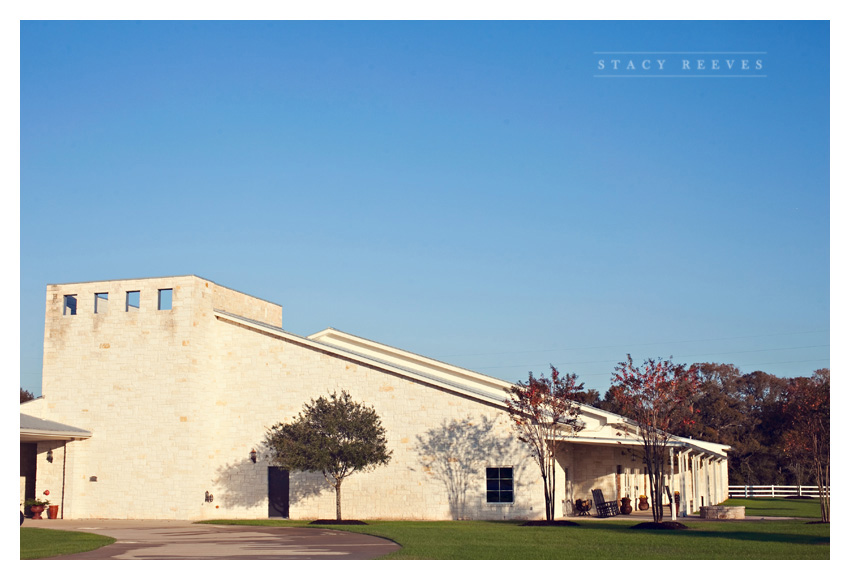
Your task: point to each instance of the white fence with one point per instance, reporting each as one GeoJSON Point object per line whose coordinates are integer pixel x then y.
{"type": "Point", "coordinates": [773, 490]}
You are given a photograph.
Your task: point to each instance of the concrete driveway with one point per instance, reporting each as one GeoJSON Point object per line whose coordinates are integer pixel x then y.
{"type": "Point", "coordinates": [181, 540]}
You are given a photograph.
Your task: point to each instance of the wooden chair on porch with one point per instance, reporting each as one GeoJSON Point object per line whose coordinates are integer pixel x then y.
{"type": "Point", "coordinates": [604, 509]}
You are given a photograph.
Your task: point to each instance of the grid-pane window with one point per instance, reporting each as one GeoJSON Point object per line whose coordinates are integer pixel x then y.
{"type": "Point", "coordinates": [500, 485]}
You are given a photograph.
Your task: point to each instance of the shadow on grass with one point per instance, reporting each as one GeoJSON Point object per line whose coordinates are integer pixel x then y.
{"type": "Point", "coordinates": [736, 535]}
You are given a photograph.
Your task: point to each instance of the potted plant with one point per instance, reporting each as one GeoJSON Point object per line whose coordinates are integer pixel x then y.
{"type": "Point", "coordinates": [626, 505]}
{"type": "Point", "coordinates": [643, 505]}
{"type": "Point", "coordinates": [36, 506]}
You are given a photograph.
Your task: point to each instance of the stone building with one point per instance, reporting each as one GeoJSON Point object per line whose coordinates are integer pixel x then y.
{"type": "Point", "coordinates": [156, 392]}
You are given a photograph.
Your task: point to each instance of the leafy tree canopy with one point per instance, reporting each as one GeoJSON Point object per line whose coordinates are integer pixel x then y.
{"type": "Point", "coordinates": [335, 436]}
{"type": "Point", "coordinates": [541, 410]}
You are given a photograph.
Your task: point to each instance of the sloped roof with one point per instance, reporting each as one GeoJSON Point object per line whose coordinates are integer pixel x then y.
{"type": "Point", "coordinates": [35, 429]}
{"type": "Point", "coordinates": [486, 389]}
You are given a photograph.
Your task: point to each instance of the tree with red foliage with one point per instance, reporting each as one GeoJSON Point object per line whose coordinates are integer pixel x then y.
{"type": "Point", "coordinates": [659, 395]}
{"type": "Point", "coordinates": [542, 410]}
{"type": "Point", "coordinates": [806, 406]}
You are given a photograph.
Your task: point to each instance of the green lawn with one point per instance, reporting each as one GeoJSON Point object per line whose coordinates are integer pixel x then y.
{"type": "Point", "coordinates": [795, 508]}
{"type": "Point", "coordinates": [41, 543]}
{"type": "Point", "coordinates": [593, 539]}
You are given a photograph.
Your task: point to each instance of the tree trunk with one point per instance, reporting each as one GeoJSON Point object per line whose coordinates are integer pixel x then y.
{"type": "Point", "coordinates": [550, 488]}
{"type": "Point", "coordinates": [822, 479]}
{"type": "Point", "coordinates": [338, 488]}
{"type": "Point", "coordinates": [655, 467]}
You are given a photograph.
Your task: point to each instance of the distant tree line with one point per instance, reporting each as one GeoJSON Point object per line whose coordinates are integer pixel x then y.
{"type": "Point", "coordinates": [759, 415]}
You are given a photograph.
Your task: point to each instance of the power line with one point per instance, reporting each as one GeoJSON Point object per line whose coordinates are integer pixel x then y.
{"type": "Point", "coordinates": [680, 355]}
{"type": "Point", "coordinates": [787, 362]}
{"type": "Point", "coordinates": [631, 345]}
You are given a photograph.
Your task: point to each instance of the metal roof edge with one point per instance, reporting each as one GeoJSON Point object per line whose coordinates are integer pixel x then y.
{"type": "Point", "coordinates": [441, 383]}
{"type": "Point", "coordinates": [463, 389]}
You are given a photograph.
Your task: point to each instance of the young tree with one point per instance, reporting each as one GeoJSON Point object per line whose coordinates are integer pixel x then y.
{"type": "Point", "coordinates": [659, 395]}
{"type": "Point", "coordinates": [540, 410]}
{"type": "Point", "coordinates": [335, 436]}
{"type": "Point", "coordinates": [807, 441]}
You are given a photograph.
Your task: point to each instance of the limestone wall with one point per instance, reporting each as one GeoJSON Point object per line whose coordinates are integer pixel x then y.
{"type": "Point", "coordinates": [441, 442]}
{"type": "Point", "coordinates": [135, 378]}
{"type": "Point", "coordinates": [176, 399]}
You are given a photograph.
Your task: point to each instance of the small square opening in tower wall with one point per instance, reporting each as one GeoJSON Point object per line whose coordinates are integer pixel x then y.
{"type": "Point", "coordinates": [133, 300]}
{"type": "Point", "coordinates": [101, 302]}
{"type": "Point", "coordinates": [69, 305]}
{"type": "Point", "coordinates": [164, 299]}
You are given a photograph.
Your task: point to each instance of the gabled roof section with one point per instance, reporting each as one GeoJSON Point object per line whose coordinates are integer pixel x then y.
{"type": "Point", "coordinates": [35, 429]}
{"type": "Point", "coordinates": [422, 369]}
{"type": "Point", "coordinates": [414, 363]}
{"type": "Point", "coordinates": [481, 391]}
{"type": "Point", "coordinates": [432, 367]}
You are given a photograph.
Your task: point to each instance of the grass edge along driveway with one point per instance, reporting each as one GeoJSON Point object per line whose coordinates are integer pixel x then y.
{"type": "Point", "coordinates": [593, 539]}
{"type": "Point", "coordinates": [41, 543]}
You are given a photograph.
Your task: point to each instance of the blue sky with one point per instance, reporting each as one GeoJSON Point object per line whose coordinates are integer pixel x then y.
{"type": "Point", "coordinates": [471, 191]}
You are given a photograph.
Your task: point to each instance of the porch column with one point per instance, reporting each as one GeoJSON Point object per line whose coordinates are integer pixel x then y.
{"type": "Point", "coordinates": [709, 481]}
{"type": "Point", "coordinates": [672, 499]}
{"type": "Point", "coordinates": [695, 478]}
{"type": "Point", "coordinates": [709, 478]}
{"type": "Point", "coordinates": [713, 475]}
{"type": "Point", "coordinates": [698, 483]}
{"type": "Point", "coordinates": [683, 482]}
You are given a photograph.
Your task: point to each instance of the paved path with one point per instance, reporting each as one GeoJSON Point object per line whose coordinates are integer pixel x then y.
{"type": "Point", "coordinates": [181, 540]}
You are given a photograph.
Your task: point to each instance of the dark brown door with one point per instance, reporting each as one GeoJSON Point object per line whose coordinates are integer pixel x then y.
{"type": "Point", "coordinates": [278, 492]}
{"type": "Point", "coordinates": [28, 453]}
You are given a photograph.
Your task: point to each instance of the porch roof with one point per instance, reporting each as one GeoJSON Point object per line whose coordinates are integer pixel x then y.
{"type": "Point", "coordinates": [679, 443]}
{"type": "Point", "coordinates": [35, 429]}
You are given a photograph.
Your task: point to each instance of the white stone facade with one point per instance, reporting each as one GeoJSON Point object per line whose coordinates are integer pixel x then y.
{"type": "Point", "coordinates": [176, 400]}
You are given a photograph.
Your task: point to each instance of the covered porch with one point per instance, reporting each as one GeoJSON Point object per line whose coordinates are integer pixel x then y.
{"type": "Point", "coordinates": [45, 458]}
{"type": "Point", "coordinates": [695, 472]}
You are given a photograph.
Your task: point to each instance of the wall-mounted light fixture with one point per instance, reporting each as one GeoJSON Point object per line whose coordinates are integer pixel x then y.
{"type": "Point", "coordinates": [49, 456]}
{"type": "Point", "coordinates": [208, 497]}
{"type": "Point", "coordinates": [253, 456]}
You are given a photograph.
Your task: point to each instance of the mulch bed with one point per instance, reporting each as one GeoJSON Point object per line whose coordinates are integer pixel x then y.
{"type": "Point", "coordinates": [547, 523]}
{"type": "Point", "coordinates": [339, 523]}
{"type": "Point", "coordinates": [660, 526]}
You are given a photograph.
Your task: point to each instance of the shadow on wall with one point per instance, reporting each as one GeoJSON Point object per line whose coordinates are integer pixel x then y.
{"type": "Point", "coordinates": [456, 454]}
{"type": "Point", "coordinates": [245, 484]}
